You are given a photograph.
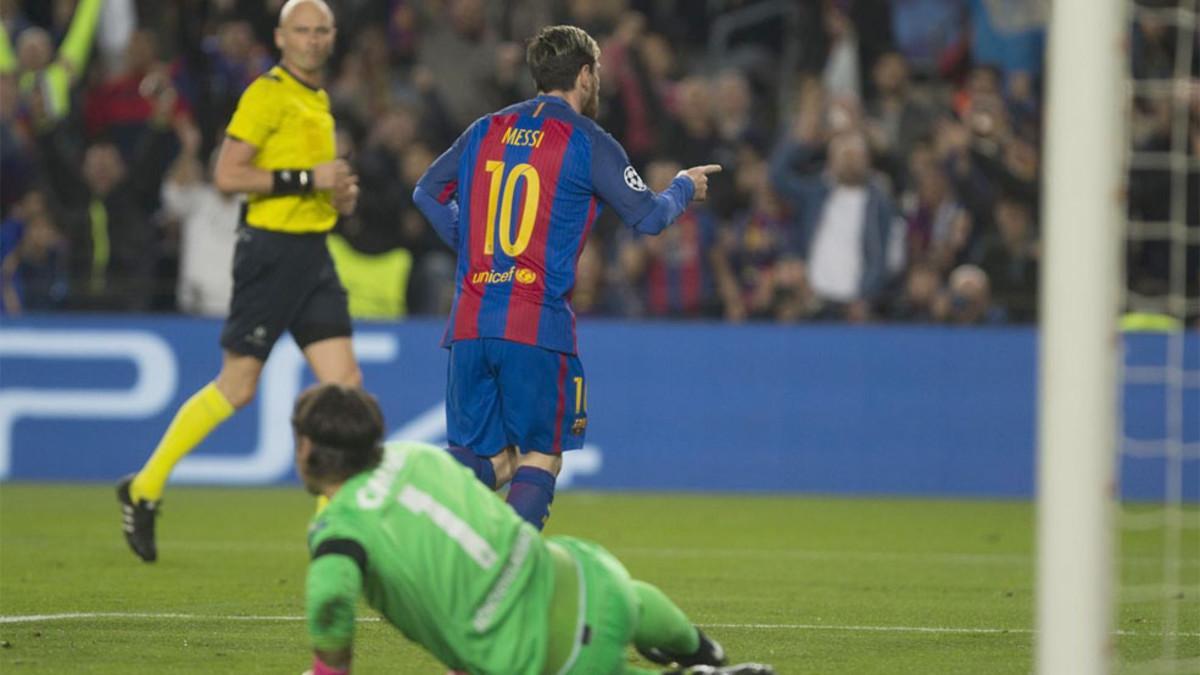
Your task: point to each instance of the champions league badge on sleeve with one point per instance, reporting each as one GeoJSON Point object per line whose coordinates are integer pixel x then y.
{"type": "Point", "coordinates": [633, 180]}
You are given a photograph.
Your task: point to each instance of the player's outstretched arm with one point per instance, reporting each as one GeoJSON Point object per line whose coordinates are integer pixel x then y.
{"type": "Point", "coordinates": [689, 185]}
{"type": "Point", "coordinates": [617, 183]}
{"type": "Point", "coordinates": [331, 592]}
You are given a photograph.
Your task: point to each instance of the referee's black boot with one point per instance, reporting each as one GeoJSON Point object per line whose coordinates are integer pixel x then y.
{"type": "Point", "coordinates": [137, 521]}
{"type": "Point", "coordinates": [709, 653]}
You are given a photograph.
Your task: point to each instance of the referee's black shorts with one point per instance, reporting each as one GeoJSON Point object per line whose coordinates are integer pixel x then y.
{"type": "Point", "coordinates": [283, 282]}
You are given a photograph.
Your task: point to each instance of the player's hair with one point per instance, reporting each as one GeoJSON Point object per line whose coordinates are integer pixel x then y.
{"type": "Point", "coordinates": [556, 54]}
{"type": "Point", "coordinates": [345, 427]}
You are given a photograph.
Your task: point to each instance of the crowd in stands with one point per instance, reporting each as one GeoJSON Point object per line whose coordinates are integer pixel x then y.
{"type": "Point", "coordinates": [882, 157]}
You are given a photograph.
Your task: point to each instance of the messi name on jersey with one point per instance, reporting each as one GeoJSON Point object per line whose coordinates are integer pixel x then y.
{"type": "Point", "coordinates": [530, 138]}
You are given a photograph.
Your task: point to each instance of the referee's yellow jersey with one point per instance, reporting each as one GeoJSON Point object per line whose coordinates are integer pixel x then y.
{"type": "Point", "coordinates": [290, 124]}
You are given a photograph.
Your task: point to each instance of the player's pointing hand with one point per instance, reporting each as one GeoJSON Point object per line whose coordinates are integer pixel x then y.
{"type": "Point", "coordinates": [699, 176]}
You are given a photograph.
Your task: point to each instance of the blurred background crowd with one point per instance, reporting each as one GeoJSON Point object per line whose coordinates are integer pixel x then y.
{"type": "Point", "coordinates": [882, 157]}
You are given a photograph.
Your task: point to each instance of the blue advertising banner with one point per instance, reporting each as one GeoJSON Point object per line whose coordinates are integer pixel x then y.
{"type": "Point", "coordinates": [896, 410]}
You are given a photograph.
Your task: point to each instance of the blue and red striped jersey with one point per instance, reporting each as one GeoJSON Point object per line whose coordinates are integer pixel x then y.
{"type": "Point", "coordinates": [678, 279]}
{"type": "Point", "coordinates": [516, 196]}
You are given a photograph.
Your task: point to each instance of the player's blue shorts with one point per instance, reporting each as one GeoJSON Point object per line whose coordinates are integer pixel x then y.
{"type": "Point", "coordinates": [503, 393]}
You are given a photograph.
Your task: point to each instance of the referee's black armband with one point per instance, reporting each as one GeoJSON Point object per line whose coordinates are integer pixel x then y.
{"type": "Point", "coordinates": [292, 181]}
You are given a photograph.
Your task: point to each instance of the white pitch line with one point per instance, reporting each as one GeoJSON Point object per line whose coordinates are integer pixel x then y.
{"type": "Point", "coordinates": [916, 629]}
{"type": "Point", "coordinates": [66, 616]}
{"type": "Point", "coordinates": [864, 556]}
{"type": "Point", "coordinates": [727, 552]}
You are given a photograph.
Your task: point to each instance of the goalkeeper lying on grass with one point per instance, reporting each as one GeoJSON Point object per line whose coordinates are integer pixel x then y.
{"type": "Point", "coordinates": [454, 568]}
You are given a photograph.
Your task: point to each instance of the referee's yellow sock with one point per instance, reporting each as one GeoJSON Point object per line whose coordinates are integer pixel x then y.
{"type": "Point", "coordinates": [196, 418]}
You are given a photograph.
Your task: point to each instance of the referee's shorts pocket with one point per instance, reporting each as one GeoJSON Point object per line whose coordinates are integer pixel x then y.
{"type": "Point", "coordinates": [253, 257]}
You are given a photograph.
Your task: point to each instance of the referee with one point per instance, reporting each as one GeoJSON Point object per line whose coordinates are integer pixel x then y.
{"type": "Point", "coordinates": [279, 149]}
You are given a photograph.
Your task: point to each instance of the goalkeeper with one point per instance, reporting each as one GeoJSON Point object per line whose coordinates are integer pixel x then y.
{"type": "Point", "coordinates": [454, 568]}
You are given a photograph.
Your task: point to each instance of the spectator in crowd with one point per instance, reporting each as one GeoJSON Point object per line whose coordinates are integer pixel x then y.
{"type": "Point", "coordinates": [733, 106]}
{"type": "Point", "coordinates": [33, 259]}
{"type": "Point", "coordinates": [931, 34]}
{"type": "Point", "coordinates": [17, 155]}
{"type": "Point", "coordinates": [232, 59]}
{"type": "Point", "coordinates": [984, 156]}
{"type": "Point", "coordinates": [384, 198]}
{"type": "Point", "coordinates": [121, 107]}
{"type": "Point", "coordinates": [1010, 256]}
{"type": "Point", "coordinates": [1009, 34]}
{"type": "Point", "coordinates": [48, 73]}
{"type": "Point", "coordinates": [938, 228]}
{"type": "Point", "coordinates": [473, 72]}
{"type": "Point", "coordinates": [640, 110]}
{"type": "Point", "coordinates": [209, 220]}
{"type": "Point", "coordinates": [845, 221]}
{"type": "Point", "coordinates": [855, 33]}
{"type": "Point", "coordinates": [364, 84]}
{"type": "Point", "coordinates": [898, 120]}
{"type": "Point", "coordinates": [968, 299]}
{"type": "Point", "coordinates": [108, 207]}
{"type": "Point", "coordinates": [694, 137]}
{"type": "Point", "coordinates": [920, 299]}
{"type": "Point", "coordinates": [768, 280]}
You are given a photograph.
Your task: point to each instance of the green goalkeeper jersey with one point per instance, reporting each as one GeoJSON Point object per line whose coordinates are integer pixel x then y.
{"type": "Point", "coordinates": [439, 556]}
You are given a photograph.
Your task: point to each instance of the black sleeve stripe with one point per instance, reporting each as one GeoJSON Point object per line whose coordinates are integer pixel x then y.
{"type": "Point", "coordinates": [347, 547]}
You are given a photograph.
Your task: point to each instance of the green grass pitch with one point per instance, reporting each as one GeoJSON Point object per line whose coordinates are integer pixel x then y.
{"type": "Point", "coordinates": [812, 585]}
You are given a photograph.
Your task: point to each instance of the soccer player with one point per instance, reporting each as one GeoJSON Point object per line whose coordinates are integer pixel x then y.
{"type": "Point", "coordinates": [515, 196]}
{"type": "Point", "coordinates": [279, 148]}
{"type": "Point", "coordinates": [456, 570]}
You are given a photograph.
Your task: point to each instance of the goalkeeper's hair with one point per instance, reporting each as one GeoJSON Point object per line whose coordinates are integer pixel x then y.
{"type": "Point", "coordinates": [345, 426]}
{"type": "Point", "coordinates": [556, 54]}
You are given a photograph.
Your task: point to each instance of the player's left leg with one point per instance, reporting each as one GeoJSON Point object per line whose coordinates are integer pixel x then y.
{"type": "Point", "coordinates": [544, 406]}
{"type": "Point", "coordinates": [665, 635]}
{"type": "Point", "coordinates": [531, 491]}
{"type": "Point", "coordinates": [619, 610]}
{"type": "Point", "coordinates": [474, 430]}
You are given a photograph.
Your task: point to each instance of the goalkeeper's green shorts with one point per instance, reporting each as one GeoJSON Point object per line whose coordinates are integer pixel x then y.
{"type": "Point", "coordinates": [609, 613]}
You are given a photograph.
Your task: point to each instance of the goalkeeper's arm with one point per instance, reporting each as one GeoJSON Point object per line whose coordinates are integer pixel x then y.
{"type": "Point", "coordinates": [334, 581]}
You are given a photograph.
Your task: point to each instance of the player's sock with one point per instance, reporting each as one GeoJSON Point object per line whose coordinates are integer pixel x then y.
{"type": "Point", "coordinates": [482, 466]}
{"type": "Point", "coordinates": [661, 624]}
{"type": "Point", "coordinates": [530, 493]}
{"type": "Point", "coordinates": [196, 419]}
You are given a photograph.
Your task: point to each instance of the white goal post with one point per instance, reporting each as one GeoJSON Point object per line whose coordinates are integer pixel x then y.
{"type": "Point", "coordinates": [1083, 212]}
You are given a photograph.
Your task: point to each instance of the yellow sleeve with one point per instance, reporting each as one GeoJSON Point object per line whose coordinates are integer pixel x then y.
{"type": "Point", "coordinates": [257, 115]}
{"type": "Point", "coordinates": [8, 62]}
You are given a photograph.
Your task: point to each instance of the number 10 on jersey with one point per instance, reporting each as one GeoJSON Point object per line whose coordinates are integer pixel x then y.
{"type": "Point", "coordinates": [502, 195]}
